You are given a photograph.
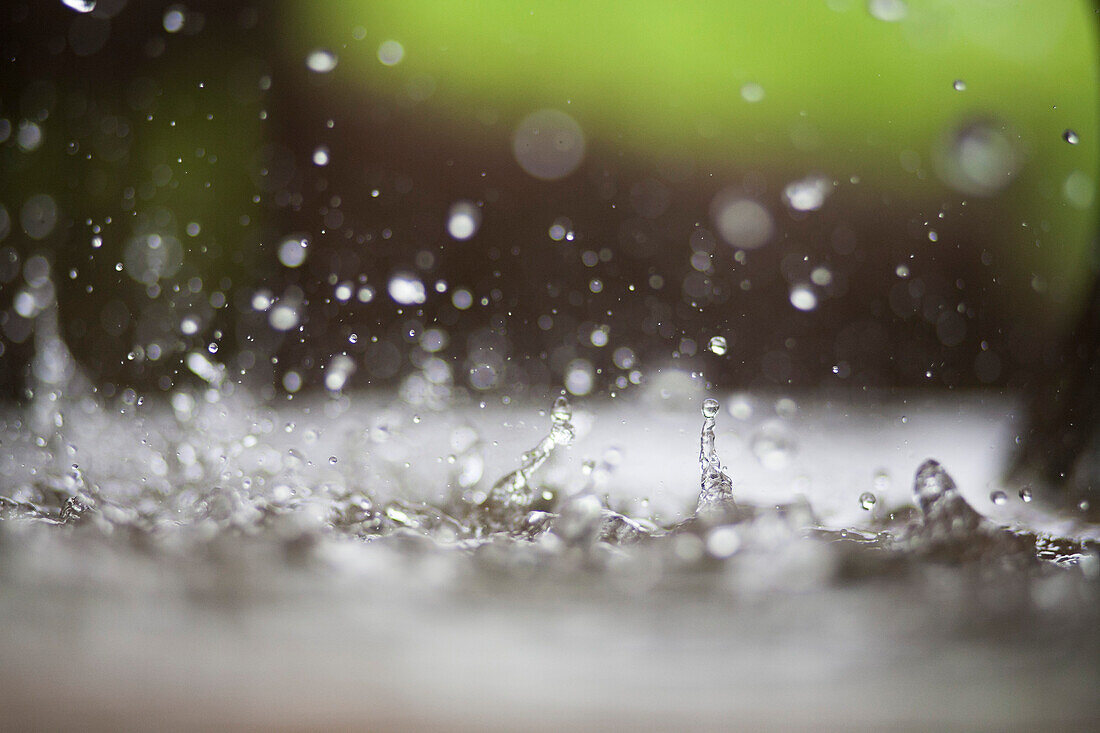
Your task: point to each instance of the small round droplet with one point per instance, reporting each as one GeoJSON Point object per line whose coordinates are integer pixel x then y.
{"type": "Point", "coordinates": [960, 85]}
{"type": "Point", "coordinates": [1025, 495]}
{"type": "Point", "coordinates": [332, 460]}
{"type": "Point", "coordinates": [718, 345]}
{"type": "Point", "coordinates": [998, 498]}
{"type": "Point", "coordinates": [710, 407]}
{"type": "Point", "coordinates": [1070, 137]}
{"type": "Point", "coordinates": [867, 501]}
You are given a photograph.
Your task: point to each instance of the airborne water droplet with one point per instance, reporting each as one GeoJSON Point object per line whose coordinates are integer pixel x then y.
{"type": "Point", "coordinates": [867, 500]}
{"type": "Point", "coordinates": [998, 498]}
{"type": "Point", "coordinates": [803, 298]}
{"type": "Point", "coordinates": [960, 85]}
{"type": "Point", "coordinates": [1070, 137]}
{"type": "Point", "coordinates": [80, 6]}
{"type": "Point", "coordinates": [1025, 495]}
{"type": "Point", "coordinates": [321, 61]}
{"type": "Point", "coordinates": [718, 345]}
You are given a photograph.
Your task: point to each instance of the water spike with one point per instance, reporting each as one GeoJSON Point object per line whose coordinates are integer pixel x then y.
{"type": "Point", "coordinates": [939, 499]}
{"type": "Point", "coordinates": [512, 494]}
{"type": "Point", "coordinates": [715, 486]}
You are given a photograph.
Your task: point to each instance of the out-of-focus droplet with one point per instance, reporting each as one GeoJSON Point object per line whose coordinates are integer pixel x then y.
{"type": "Point", "coordinates": [320, 156]}
{"type": "Point", "coordinates": [292, 251]}
{"type": "Point", "coordinates": [867, 500]}
{"type": "Point", "coordinates": [803, 298]}
{"type": "Point", "coordinates": [1070, 137]}
{"type": "Point", "coordinates": [391, 52]}
{"type": "Point", "coordinates": [174, 18]}
{"type": "Point", "coordinates": [718, 345]}
{"type": "Point", "coordinates": [283, 317]}
{"type": "Point", "coordinates": [888, 11]}
{"type": "Point", "coordinates": [548, 144]}
{"type": "Point", "coordinates": [998, 498]}
{"type": "Point", "coordinates": [960, 85]}
{"type": "Point", "coordinates": [406, 289]}
{"type": "Point", "coordinates": [321, 61]}
{"type": "Point", "coordinates": [463, 220]}
{"type": "Point", "coordinates": [579, 377]}
{"type": "Point", "coordinates": [80, 6]}
{"type": "Point", "coordinates": [979, 158]}
{"type": "Point", "coordinates": [39, 216]}
{"type": "Point", "coordinates": [1025, 495]}
{"type": "Point", "coordinates": [742, 222]}
{"type": "Point", "coordinates": [774, 445]}
{"type": "Point", "coordinates": [752, 93]}
{"type": "Point", "coordinates": [807, 194]}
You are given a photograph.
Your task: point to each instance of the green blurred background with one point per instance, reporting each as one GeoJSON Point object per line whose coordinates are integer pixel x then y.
{"type": "Point", "coordinates": [940, 127]}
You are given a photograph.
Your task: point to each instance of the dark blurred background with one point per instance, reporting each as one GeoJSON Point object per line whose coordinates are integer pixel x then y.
{"type": "Point", "coordinates": [501, 197]}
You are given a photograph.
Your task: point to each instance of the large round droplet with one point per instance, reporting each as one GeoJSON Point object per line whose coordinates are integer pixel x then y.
{"type": "Point", "coordinates": [718, 345]}
{"type": "Point", "coordinates": [742, 222]}
{"type": "Point", "coordinates": [39, 216]}
{"type": "Point", "coordinates": [406, 289]}
{"type": "Point", "coordinates": [710, 407]}
{"type": "Point", "coordinates": [978, 158]}
{"type": "Point", "coordinates": [548, 144]}
{"type": "Point", "coordinates": [867, 500]}
{"type": "Point", "coordinates": [774, 445]}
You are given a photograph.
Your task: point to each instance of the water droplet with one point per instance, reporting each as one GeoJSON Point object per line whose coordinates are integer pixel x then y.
{"type": "Point", "coordinates": [81, 6]}
{"type": "Point", "coordinates": [867, 500]}
{"type": "Point", "coordinates": [752, 93]}
{"type": "Point", "coordinates": [888, 11]}
{"type": "Point", "coordinates": [960, 85]}
{"type": "Point", "coordinates": [1070, 137]}
{"type": "Point", "coordinates": [39, 216]}
{"type": "Point", "coordinates": [174, 18]}
{"type": "Point", "coordinates": [807, 194]}
{"type": "Point", "coordinates": [742, 222]}
{"type": "Point", "coordinates": [998, 498]}
{"type": "Point", "coordinates": [718, 345]}
{"type": "Point", "coordinates": [710, 407]}
{"type": "Point", "coordinates": [580, 377]}
{"type": "Point", "coordinates": [320, 156]}
{"type": "Point", "coordinates": [773, 445]}
{"type": "Point", "coordinates": [1025, 495]}
{"type": "Point", "coordinates": [803, 298]}
{"type": "Point", "coordinates": [321, 61]}
{"type": "Point", "coordinates": [391, 53]}
{"type": "Point", "coordinates": [332, 460]}
{"type": "Point", "coordinates": [406, 289]}
{"type": "Point", "coordinates": [548, 144]}
{"type": "Point", "coordinates": [463, 220]}
{"type": "Point", "coordinates": [283, 317]}
{"type": "Point", "coordinates": [292, 251]}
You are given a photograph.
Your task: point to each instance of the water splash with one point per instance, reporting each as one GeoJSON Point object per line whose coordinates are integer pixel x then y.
{"type": "Point", "coordinates": [715, 486]}
{"type": "Point", "coordinates": [512, 495]}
